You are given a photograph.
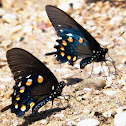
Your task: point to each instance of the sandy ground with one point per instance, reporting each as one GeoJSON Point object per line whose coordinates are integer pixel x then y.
{"type": "Point", "coordinates": [24, 24]}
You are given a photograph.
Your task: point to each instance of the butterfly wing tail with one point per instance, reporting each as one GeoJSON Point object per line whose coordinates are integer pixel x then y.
{"type": "Point", "coordinates": [6, 108]}
{"type": "Point", "coordinates": [51, 53]}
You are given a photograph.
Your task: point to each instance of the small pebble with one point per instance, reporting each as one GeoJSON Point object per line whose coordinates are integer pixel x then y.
{"type": "Point", "coordinates": [77, 5]}
{"type": "Point", "coordinates": [43, 121]}
{"type": "Point", "coordinates": [2, 12]}
{"type": "Point", "coordinates": [16, 28]}
{"type": "Point", "coordinates": [7, 3]}
{"type": "Point", "coordinates": [86, 111]}
{"type": "Point", "coordinates": [61, 116]}
{"type": "Point", "coordinates": [109, 81]}
{"type": "Point", "coordinates": [107, 114]}
{"type": "Point", "coordinates": [65, 7]}
{"type": "Point", "coordinates": [9, 18]}
{"type": "Point", "coordinates": [71, 123]}
{"type": "Point", "coordinates": [27, 29]}
{"type": "Point", "coordinates": [87, 89]}
{"type": "Point", "coordinates": [110, 92]}
{"type": "Point", "coordinates": [97, 70]}
{"type": "Point", "coordinates": [89, 122]}
{"type": "Point", "coordinates": [124, 88]}
{"type": "Point", "coordinates": [121, 109]}
{"type": "Point", "coordinates": [120, 119]}
{"type": "Point", "coordinates": [123, 82]}
{"type": "Point", "coordinates": [116, 20]}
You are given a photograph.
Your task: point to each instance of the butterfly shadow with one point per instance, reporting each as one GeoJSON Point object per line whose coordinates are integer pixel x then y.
{"type": "Point", "coordinates": [72, 81]}
{"type": "Point", "coordinates": [42, 115]}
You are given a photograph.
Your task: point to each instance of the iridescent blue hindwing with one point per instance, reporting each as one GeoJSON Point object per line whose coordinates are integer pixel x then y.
{"type": "Point", "coordinates": [22, 98]}
{"type": "Point", "coordinates": [67, 49]}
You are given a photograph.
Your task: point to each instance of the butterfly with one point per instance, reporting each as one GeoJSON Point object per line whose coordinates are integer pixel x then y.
{"type": "Point", "coordinates": [35, 84]}
{"type": "Point", "coordinates": [74, 41]}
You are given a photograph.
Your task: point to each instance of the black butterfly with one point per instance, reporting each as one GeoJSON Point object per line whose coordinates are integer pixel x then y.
{"type": "Point", "coordinates": [74, 42]}
{"type": "Point", "coordinates": [35, 83]}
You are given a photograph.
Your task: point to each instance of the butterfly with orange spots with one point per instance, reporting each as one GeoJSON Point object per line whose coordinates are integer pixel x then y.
{"type": "Point", "coordinates": [74, 41]}
{"type": "Point", "coordinates": [35, 84]}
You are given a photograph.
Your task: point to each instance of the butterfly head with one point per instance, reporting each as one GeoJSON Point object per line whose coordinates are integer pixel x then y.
{"type": "Point", "coordinates": [60, 87]}
{"type": "Point", "coordinates": [99, 55]}
{"type": "Point", "coordinates": [104, 51]}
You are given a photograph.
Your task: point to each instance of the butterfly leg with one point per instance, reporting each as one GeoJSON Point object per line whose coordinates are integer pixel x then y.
{"type": "Point", "coordinates": [66, 99]}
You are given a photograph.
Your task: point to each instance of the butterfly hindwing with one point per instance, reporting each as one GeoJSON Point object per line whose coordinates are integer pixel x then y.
{"type": "Point", "coordinates": [67, 50]}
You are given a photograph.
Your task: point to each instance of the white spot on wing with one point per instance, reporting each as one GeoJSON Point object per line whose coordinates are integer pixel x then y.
{"type": "Point", "coordinates": [93, 51]}
{"type": "Point", "coordinates": [29, 80]}
{"type": "Point", "coordinates": [52, 87]}
{"type": "Point", "coordinates": [14, 92]}
{"type": "Point", "coordinates": [39, 76]}
{"type": "Point", "coordinates": [59, 25]}
{"type": "Point", "coordinates": [16, 106]}
{"type": "Point", "coordinates": [61, 30]}
{"type": "Point", "coordinates": [50, 96]}
{"type": "Point", "coordinates": [20, 77]}
{"type": "Point", "coordinates": [60, 38]}
{"type": "Point", "coordinates": [28, 76]}
{"type": "Point", "coordinates": [22, 87]}
{"type": "Point", "coordinates": [19, 84]}
{"type": "Point", "coordinates": [69, 34]}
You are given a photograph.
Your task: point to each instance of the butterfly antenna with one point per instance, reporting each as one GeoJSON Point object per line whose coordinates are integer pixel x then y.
{"type": "Point", "coordinates": [116, 38]}
{"type": "Point", "coordinates": [113, 63]}
{"type": "Point", "coordinates": [76, 99]}
{"type": "Point", "coordinates": [91, 71]}
{"type": "Point", "coordinates": [66, 99]}
{"type": "Point", "coordinates": [104, 70]}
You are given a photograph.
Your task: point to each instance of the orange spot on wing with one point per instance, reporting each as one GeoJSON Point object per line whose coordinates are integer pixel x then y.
{"type": "Point", "coordinates": [62, 54]}
{"type": "Point", "coordinates": [17, 98]}
{"type": "Point", "coordinates": [28, 83]}
{"type": "Point", "coordinates": [68, 57]}
{"type": "Point", "coordinates": [64, 43]}
{"type": "Point", "coordinates": [70, 39]}
{"type": "Point", "coordinates": [23, 108]}
{"type": "Point", "coordinates": [80, 40]}
{"type": "Point", "coordinates": [32, 104]}
{"type": "Point", "coordinates": [74, 58]}
{"type": "Point", "coordinates": [62, 48]}
{"type": "Point", "coordinates": [22, 89]}
{"type": "Point", "coordinates": [40, 79]}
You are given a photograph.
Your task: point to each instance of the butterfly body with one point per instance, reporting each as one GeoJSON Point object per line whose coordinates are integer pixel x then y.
{"type": "Point", "coordinates": [35, 83]}
{"type": "Point", "coordinates": [75, 42]}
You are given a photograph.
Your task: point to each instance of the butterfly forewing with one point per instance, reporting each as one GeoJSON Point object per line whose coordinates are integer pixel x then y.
{"type": "Point", "coordinates": [64, 24]}
{"type": "Point", "coordinates": [22, 63]}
